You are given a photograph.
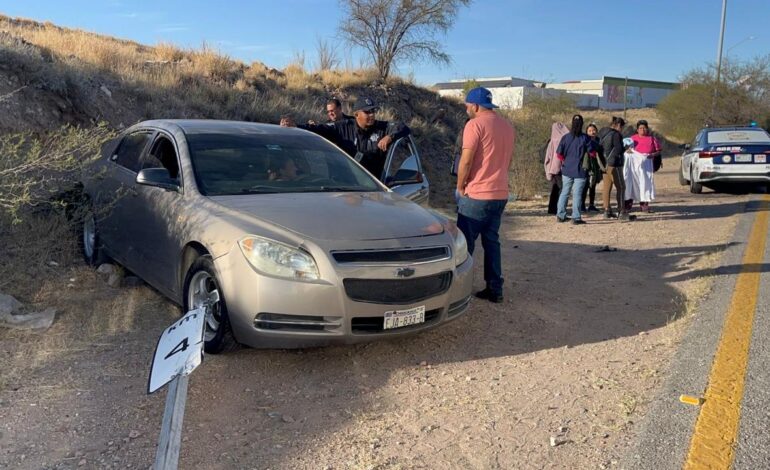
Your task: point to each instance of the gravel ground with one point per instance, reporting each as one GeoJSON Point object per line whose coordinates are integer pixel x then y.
{"type": "Point", "coordinates": [555, 377]}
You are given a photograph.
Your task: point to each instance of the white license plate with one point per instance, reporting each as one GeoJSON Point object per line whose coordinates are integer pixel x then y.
{"type": "Point", "coordinates": [743, 158]}
{"type": "Point", "coordinates": [760, 158]}
{"type": "Point", "coordinates": [401, 318]}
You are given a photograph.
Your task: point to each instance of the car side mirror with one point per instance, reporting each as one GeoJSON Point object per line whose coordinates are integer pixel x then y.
{"type": "Point", "coordinates": [685, 146]}
{"type": "Point", "coordinates": [157, 177]}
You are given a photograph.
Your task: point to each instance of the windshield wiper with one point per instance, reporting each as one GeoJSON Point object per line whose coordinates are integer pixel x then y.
{"type": "Point", "coordinates": [261, 190]}
{"type": "Point", "coordinates": [343, 189]}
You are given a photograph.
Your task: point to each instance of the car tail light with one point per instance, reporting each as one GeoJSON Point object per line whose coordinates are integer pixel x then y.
{"type": "Point", "coordinates": [708, 154]}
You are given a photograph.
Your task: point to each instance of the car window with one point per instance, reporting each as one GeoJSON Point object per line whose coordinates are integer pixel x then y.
{"type": "Point", "coordinates": [743, 136]}
{"type": "Point", "coordinates": [697, 142]}
{"type": "Point", "coordinates": [130, 149]}
{"type": "Point", "coordinates": [403, 165]}
{"type": "Point", "coordinates": [162, 155]}
{"type": "Point", "coordinates": [262, 163]}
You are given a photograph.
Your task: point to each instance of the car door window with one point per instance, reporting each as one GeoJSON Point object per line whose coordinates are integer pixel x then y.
{"type": "Point", "coordinates": [403, 164]}
{"type": "Point", "coordinates": [162, 155]}
{"type": "Point", "coordinates": [130, 150]}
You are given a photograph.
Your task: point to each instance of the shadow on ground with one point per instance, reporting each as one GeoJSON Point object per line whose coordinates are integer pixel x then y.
{"type": "Point", "coordinates": [263, 409]}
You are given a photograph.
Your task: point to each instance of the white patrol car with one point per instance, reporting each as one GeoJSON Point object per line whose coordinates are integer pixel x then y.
{"type": "Point", "coordinates": [726, 155]}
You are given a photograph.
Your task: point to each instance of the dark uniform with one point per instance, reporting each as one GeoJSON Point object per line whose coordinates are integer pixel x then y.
{"type": "Point", "coordinates": [359, 143]}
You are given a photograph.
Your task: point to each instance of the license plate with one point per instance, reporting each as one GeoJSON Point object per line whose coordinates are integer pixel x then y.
{"type": "Point", "coordinates": [401, 318]}
{"type": "Point", "coordinates": [743, 158]}
{"type": "Point", "coordinates": [760, 158]}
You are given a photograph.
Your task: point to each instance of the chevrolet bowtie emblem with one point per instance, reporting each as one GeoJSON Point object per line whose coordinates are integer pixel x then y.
{"type": "Point", "coordinates": [405, 272]}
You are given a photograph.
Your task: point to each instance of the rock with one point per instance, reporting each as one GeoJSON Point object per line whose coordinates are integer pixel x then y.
{"type": "Point", "coordinates": [563, 429]}
{"type": "Point", "coordinates": [53, 264]}
{"type": "Point", "coordinates": [115, 279]}
{"type": "Point", "coordinates": [31, 321]}
{"type": "Point", "coordinates": [424, 363]}
{"type": "Point", "coordinates": [106, 268]}
{"type": "Point", "coordinates": [555, 441]}
{"type": "Point", "coordinates": [134, 434]}
{"type": "Point", "coordinates": [82, 462]}
{"type": "Point", "coordinates": [287, 419]}
{"type": "Point", "coordinates": [273, 414]}
{"type": "Point", "coordinates": [8, 304]}
{"type": "Point", "coordinates": [106, 91]}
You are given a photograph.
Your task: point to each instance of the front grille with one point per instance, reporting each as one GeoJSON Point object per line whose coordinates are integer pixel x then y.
{"type": "Point", "coordinates": [363, 325]}
{"type": "Point", "coordinates": [411, 255]}
{"type": "Point", "coordinates": [459, 306]}
{"type": "Point", "coordinates": [283, 322]}
{"type": "Point", "coordinates": [397, 291]}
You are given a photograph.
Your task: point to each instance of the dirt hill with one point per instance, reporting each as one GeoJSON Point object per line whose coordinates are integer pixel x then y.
{"type": "Point", "coordinates": [51, 76]}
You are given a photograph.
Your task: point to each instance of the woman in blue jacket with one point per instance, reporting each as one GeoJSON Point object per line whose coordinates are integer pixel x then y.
{"type": "Point", "coordinates": [570, 151]}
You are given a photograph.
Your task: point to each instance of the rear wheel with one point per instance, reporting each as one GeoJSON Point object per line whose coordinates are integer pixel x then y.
{"type": "Point", "coordinates": [695, 187]}
{"type": "Point", "coordinates": [202, 289]}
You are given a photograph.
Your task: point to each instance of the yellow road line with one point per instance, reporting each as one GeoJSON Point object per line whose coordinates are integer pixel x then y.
{"type": "Point", "coordinates": [716, 430]}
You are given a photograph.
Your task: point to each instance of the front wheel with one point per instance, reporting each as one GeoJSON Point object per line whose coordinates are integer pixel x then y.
{"type": "Point", "coordinates": [90, 243]}
{"type": "Point", "coordinates": [682, 180]}
{"type": "Point", "coordinates": [202, 289]}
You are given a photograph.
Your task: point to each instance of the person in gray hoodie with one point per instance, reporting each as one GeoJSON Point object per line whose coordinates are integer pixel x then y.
{"type": "Point", "coordinates": [612, 143]}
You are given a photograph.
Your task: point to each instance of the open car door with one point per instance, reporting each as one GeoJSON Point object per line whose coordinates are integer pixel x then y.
{"type": "Point", "coordinates": [403, 171]}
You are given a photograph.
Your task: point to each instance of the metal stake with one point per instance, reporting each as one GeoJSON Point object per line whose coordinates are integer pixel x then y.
{"type": "Point", "coordinates": [170, 439]}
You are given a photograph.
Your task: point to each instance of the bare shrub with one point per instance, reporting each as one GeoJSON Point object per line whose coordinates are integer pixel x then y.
{"type": "Point", "coordinates": [327, 57]}
{"type": "Point", "coordinates": [34, 169]}
{"type": "Point", "coordinates": [533, 129]}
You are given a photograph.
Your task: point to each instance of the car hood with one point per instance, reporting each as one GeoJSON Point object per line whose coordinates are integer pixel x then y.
{"type": "Point", "coordinates": [338, 216]}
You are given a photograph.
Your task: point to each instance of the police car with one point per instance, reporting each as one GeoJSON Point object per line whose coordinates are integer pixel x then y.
{"type": "Point", "coordinates": [726, 155]}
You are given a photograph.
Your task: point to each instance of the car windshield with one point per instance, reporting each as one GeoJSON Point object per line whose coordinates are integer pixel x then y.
{"type": "Point", "coordinates": [742, 136]}
{"type": "Point", "coordinates": [241, 163]}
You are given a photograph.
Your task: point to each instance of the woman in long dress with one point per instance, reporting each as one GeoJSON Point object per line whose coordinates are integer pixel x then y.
{"type": "Point", "coordinates": [640, 167]}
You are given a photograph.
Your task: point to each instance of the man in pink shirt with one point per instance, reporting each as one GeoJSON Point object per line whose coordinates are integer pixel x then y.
{"type": "Point", "coordinates": [482, 183]}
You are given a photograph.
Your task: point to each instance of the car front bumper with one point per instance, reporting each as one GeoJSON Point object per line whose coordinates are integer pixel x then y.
{"type": "Point", "coordinates": [268, 312]}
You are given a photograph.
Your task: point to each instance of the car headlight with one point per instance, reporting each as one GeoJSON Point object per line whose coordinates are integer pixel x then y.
{"type": "Point", "coordinates": [276, 259]}
{"type": "Point", "coordinates": [460, 248]}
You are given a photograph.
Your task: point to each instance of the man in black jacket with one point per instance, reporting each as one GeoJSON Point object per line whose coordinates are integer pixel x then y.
{"type": "Point", "coordinates": [612, 143]}
{"type": "Point", "coordinates": [364, 138]}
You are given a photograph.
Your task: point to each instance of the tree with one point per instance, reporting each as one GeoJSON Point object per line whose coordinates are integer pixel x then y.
{"type": "Point", "coordinates": [398, 30]}
{"type": "Point", "coordinates": [743, 96]}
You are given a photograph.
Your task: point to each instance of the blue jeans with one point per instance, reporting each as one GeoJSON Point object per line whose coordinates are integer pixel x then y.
{"type": "Point", "coordinates": [482, 217]}
{"type": "Point", "coordinates": [575, 185]}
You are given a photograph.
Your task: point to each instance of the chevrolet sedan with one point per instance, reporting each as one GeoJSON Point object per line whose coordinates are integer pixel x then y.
{"type": "Point", "coordinates": [283, 238]}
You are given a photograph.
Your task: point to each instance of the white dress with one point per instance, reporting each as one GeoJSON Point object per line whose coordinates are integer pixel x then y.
{"type": "Point", "coordinates": [639, 176]}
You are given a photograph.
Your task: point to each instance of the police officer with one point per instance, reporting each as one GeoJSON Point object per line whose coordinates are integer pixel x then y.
{"type": "Point", "coordinates": [364, 137]}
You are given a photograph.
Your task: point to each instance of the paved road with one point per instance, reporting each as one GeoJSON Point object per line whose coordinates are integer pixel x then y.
{"type": "Point", "coordinates": [724, 360]}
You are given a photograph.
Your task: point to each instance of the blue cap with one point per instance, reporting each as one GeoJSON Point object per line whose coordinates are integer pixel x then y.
{"type": "Point", "coordinates": [480, 96]}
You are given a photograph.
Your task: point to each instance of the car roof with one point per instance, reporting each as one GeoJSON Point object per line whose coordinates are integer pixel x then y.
{"type": "Point", "coordinates": [734, 128]}
{"type": "Point", "coordinates": [215, 126]}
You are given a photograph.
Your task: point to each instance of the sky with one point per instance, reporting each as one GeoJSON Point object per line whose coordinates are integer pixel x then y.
{"type": "Point", "coordinates": [546, 40]}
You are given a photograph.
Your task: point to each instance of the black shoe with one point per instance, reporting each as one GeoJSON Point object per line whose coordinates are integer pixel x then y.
{"type": "Point", "coordinates": [560, 220]}
{"type": "Point", "coordinates": [592, 208]}
{"type": "Point", "coordinates": [578, 222]}
{"type": "Point", "coordinates": [487, 294]}
{"type": "Point", "coordinates": [626, 217]}
{"type": "Point", "coordinates": [610, 215]}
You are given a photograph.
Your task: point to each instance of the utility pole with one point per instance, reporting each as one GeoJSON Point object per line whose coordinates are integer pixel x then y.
{"type": "Point", "coordinates": [625, 97]}
{"type": "Point", "coordinates": [719, 57]}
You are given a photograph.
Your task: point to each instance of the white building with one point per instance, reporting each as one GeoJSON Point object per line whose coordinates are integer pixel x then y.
{"type": "Point", "coordinates": [507, 92]}
{"type": "Point", "coordinates": [616, 93]}
{"type": "Point", "coordinates": [609, 93]}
